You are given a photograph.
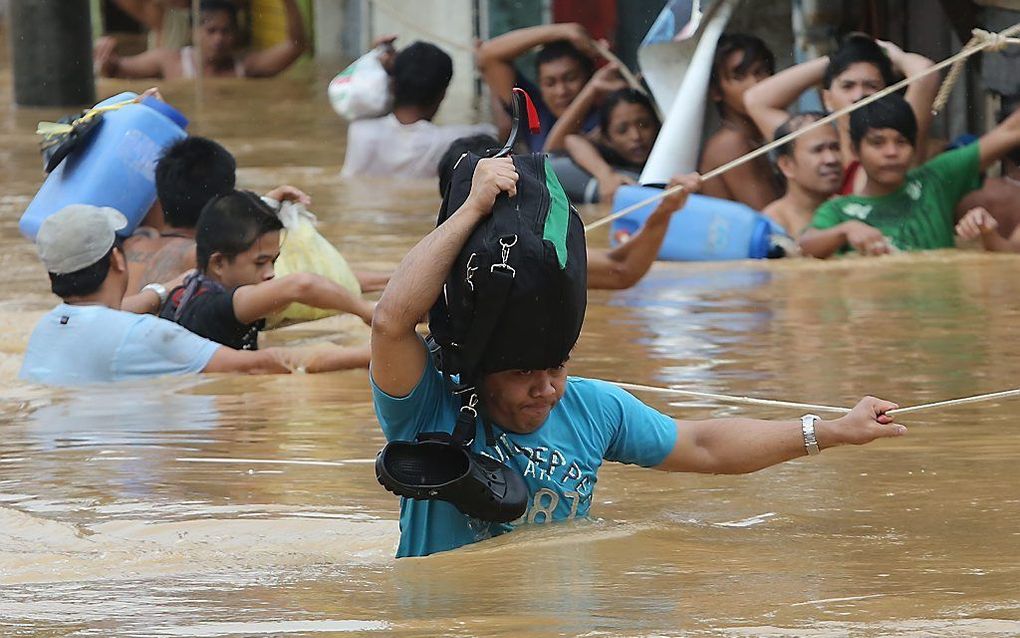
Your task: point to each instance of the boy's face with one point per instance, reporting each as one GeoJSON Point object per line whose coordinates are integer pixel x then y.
{"type": "Point", "coordinates": [560, 81]}
{"type": "Point", "coordinates": [253, 266]}
{"type": "Point", "coordinates": [521, 400]}
{"type": "Point", "coordinates": [217, 32]}
{"type": "Point", "coordinates": [885, 154]}
{"type": "Point", "coordinates": [733, 83]}
{"type": "Point", "coordinates": [860, 79]}
{"type": "Point", "coordinates": [816, 164]}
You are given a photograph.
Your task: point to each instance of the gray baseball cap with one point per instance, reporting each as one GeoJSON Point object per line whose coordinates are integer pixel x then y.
{"type": "Point", "coordinates": [77, 236]}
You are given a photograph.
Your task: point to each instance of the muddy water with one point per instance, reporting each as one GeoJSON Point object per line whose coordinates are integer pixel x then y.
{"type": "Point", "coordinates": [230, 506]}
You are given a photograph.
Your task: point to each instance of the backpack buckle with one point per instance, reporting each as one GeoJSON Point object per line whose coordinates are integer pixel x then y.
{"type": "Point", "coordinates": [506, 243]}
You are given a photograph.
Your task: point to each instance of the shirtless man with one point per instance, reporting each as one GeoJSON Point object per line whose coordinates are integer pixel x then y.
{"type": "Point", "coordinates": [217, 37]}
{"type": "Point", "coordinates": [741, 61]}
{"type": "Point", "coordinates": [993, 212]}
{"type": "Point", "coordinates": [813, 169]}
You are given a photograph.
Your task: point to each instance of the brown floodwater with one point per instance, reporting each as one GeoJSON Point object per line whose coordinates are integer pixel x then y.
{"type": "Point", "coordinates": [247, 506]}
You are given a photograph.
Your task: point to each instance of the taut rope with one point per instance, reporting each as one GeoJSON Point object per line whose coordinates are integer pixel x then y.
{"type": "Point", "coordinates": [726, 398]}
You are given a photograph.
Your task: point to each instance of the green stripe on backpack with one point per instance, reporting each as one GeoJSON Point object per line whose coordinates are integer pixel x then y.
{"type": "Point", "coordinates": [559, 214]}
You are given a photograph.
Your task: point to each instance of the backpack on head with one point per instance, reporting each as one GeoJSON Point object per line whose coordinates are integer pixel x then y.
{"type": "Point", "coordinates": [516, 295]}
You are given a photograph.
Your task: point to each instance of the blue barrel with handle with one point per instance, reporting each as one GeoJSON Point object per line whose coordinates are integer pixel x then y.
{"type": "Point", "coordinates": [706, 229]}
{"type": "Point", "coordinates": [114, 165]}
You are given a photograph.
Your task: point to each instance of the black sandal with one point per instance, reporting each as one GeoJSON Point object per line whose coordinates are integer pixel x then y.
{"type": "Point", "coordinates": [476, 485]}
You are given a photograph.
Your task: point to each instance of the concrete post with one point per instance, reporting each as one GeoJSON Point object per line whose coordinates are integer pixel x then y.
{"type": "Point", "coordinates": [51, 52]}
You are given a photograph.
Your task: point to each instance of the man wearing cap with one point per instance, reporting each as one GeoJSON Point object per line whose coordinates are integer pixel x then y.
{"type": "Point", "coordinates": [554, 430]}
{"type": "Point", "coordinates": [97, 335]}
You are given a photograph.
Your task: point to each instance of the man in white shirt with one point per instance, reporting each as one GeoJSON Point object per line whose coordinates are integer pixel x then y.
{"type": "Point", "coordinates": [406, 143]}
{"type": "Point", "coordinates": [88, 338]}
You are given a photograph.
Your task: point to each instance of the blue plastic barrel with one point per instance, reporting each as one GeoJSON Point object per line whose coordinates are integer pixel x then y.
{"type": "Point", "coordinates": [115, 166]}
{"type": "Point", "coordinates": [706, 229]}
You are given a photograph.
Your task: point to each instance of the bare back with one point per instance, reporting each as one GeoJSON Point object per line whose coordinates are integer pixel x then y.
{"type": "Point", "coordinates": [999, 197]}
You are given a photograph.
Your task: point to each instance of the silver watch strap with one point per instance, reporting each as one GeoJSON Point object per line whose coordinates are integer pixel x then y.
{"type": "Point", "coordinates": [807, 428]}
{"type": "Point", "coordinates": [160, 291]}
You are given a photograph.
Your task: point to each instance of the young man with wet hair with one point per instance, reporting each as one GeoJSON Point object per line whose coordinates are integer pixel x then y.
{"type": "Point", "coordinates": [189, 174]}
{"type": "Point", "coordinates": [860, 67]}
{"type": "Point", "coordinates": [812, 169]}
{"type": "Point", "coordinates": [217, 33]}
{"type": "Point", "coordinates": [405, 143]}
{"type": "Point", "coordinates": [902, 208]}
{"type": "Point", "coordinates": [741, 61]}
{"type": "Point", "coordinates": [235, 289]}
{"type": "Point", "coordinates": [568, 88]}
{"type": "Point", "coordinates": [97, 335]}
{"type": "Point", "coordinates": [553, 429]}
{"type": "Point", "coordinates": [993, 212]}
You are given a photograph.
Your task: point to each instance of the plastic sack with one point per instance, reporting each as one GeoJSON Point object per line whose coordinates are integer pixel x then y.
{"type": "Point", "coordinates": [362, 90]}
{"type": "Point", "coordinates": [304, 250]}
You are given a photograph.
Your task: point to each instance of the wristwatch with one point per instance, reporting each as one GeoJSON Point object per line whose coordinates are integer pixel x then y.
{"type": "Point", "coordinates": [160, 291]}
{"type": "Point", "coordinates": [807, 428]}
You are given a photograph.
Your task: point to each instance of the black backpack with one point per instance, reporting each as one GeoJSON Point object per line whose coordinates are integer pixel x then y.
{"type": "Point", "coordinates": [514, 299]}
{"type": "Point", "coordinates": [516, 295]}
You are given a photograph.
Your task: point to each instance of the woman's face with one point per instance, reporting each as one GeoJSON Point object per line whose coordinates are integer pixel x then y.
{"type": "Point", "coordinates": [859, 80]}
{"type": "Point", "coordinates": [560, 81]}
{"type": "Point", "coordinates": [632, 131]}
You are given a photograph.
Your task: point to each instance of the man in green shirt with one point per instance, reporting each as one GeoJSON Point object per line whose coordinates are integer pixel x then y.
{"type": "Point", "coordinates": [902, 208]}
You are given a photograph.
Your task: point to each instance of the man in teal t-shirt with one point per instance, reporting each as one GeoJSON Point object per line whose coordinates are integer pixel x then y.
{"type": "Point", "coordinates": [552, 429]}
{"type": "Point", "coordinates": [900, 208]}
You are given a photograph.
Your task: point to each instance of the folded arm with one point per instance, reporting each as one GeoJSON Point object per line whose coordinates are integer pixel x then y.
{"type": "Point", "coordinates": [767, 102]}
{"type": "Point", "coordinates": [920, 93]}
{"type": "Point", "coordinates": [495, 58]}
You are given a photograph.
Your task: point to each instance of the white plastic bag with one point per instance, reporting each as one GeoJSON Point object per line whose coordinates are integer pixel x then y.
{"type": "Point", "coordinates": [362, 90]}
{"type": "Point", "coordinates": [304, 250]}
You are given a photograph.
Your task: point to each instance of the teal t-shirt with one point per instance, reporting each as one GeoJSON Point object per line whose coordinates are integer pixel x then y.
{"type": "Point", "coordinates": [594, 421]}
{"type": "Point", "coordinates": [920, 215]}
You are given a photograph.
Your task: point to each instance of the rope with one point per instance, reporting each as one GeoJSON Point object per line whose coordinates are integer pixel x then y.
{"type": "Point", "coordinates": [50, 130]}
{"type": "Point", "coordinates": [995, 42]}
{"type": "Point", "coordinates": [1003, 37]}
{"type": "Point", "coordinates": [1005, 394]}
{"type": "Point", "coordinates": [625, 71]}
{"type": "Point", "coordinates": [728, 398]}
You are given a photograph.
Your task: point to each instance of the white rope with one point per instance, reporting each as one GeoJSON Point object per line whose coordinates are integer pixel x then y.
{"type": "Point", "coordinates": [726, 398]}
{"type": "Point", "coordinates": [992, 396]}
{"type": "Point", "coordinates": [997, 39]}
{"type": "Point", "coordinates": [730, 399]}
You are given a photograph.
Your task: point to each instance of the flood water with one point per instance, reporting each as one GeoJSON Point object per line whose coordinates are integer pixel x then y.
{"type": "Point", "coordinates": [246, 506]}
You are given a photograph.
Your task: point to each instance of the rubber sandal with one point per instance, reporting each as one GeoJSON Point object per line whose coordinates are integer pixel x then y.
{"type": "Point", "coordinates": [476, 485]}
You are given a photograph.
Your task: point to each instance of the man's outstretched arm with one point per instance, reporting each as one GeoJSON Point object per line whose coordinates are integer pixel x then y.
{"type": "Point", "coordinates": [398, 358]}
{"type": "Point", "coordinates": [738, 446]}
